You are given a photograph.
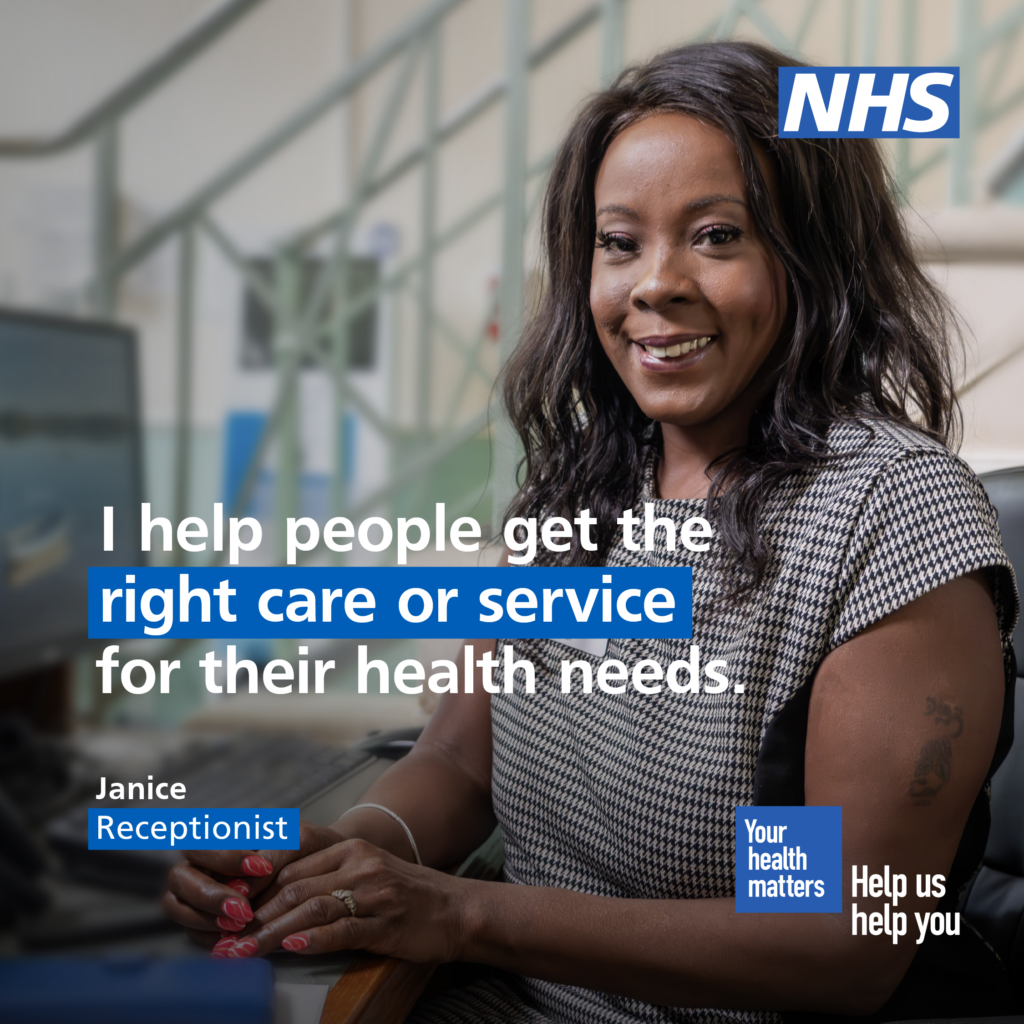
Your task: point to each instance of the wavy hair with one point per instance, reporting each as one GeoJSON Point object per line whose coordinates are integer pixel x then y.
{"type": "Point", "coordinates": [869, 335]}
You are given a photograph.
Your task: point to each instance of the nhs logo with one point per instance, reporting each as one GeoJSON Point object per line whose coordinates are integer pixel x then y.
{"type": "Point", "coordinates": [869, 103]}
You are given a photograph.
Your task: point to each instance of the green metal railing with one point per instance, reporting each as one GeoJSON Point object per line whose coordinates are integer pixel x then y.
{"type": "Point", "coordinates": [318, 328]}
{"type": "Point", "coordinates": [101, 127]}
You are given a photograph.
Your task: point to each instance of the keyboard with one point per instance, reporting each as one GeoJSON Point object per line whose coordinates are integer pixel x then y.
{"type": "Point", "coordinates": [242, 771]}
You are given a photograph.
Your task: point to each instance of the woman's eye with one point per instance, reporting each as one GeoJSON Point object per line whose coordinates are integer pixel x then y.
{"type": "Point", "coordinates": [615, 242]}
{"type": "Point", "coordinates": [719, 234]}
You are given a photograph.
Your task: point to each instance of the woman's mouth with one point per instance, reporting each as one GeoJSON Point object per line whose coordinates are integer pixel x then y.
{"type": "Point", "coordinates": [657, 356]}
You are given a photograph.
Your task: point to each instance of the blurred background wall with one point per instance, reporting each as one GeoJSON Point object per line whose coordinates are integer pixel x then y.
{"type": "Point", "coordinates": [321, 216]}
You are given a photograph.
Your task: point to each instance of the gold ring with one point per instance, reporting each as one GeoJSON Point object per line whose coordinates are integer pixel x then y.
{"type": "Point", "coordinates": [346, 897]}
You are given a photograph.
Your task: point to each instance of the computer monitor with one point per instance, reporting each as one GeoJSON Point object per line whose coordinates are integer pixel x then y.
{"type": "Point", "coordinates": [69, 445]}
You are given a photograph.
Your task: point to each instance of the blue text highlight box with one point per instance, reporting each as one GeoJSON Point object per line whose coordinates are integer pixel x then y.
{"type": "Point", "coordinates": [193, 828]}
{"type": "Point", "coordinates": [869, 103]}
{"type": "Point", "coordinates": [248, 602]}
{"type": "Point", "coordinates": [789, 860]}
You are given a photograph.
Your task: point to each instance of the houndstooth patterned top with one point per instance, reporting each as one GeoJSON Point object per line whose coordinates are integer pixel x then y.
{"type": "Point", "coordinates": [633, 795]}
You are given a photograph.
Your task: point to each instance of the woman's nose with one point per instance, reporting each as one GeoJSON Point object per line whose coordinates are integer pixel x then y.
{"type": "Point", "coordinates": [665, 279]}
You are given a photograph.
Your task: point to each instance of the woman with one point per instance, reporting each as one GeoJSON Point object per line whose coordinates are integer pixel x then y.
{"type": "Point", "coordinates": [735, 326]}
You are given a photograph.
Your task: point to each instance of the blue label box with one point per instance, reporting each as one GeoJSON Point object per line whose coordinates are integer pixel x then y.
{"type": "Point", "coordinates": [458, 603]}
{"type": "Point", "coordinates": [789, 860]}
{"type": "Point", "coordinates": [193, 828]}
{"type": "Point", "coordinates": [869, 103]}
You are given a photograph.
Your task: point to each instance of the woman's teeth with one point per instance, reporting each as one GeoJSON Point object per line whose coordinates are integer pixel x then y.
{"type": "Point", "coordinates": [678, 350]}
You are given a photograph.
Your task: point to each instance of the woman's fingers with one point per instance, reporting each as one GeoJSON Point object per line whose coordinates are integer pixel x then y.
{"type": "Point", "coordinates": [400, 910]}
{"type": "Point", "coordinates": [188, 917]}
{"type": "Point", "coordinates": [212, 892]}
{"type": "Point", "coordinates": [314, 841]}
{"type": "Point", "coordinates": [199, 921]}
{"type": "Point", "coordinates": [350, 933]}
{"type": "Point", "coordinates": [268, 863]}
{"type": "Point", "coordinates": [233, 862]}
{"type": "Point", "coordinates": [322, 862]}
{"type": "Point", "coordinates": [343, 866]}
{"type": "Point", "coordinates": [204, 938]}
{"type": "Point", "coordinates": [297, 906]}
{"type": "Point", "coordinates": [246, 874]}
{"type": "Point", "coordinates": [195, 897]}
{"type": "Point", "coordinates": [315, 912]}
{"type": "Point", "coordinates": [295, 894]}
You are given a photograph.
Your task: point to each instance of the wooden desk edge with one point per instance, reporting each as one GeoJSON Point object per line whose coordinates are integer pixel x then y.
{"type": "Point", "coordinates": [376, 990]}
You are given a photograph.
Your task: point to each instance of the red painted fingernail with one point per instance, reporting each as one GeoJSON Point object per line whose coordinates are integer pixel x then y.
{"type": "Point", "coordinates": [236, 909]}
{"type": "Point", "coordinates": [296, 943]}
{"type": "Point", "coordinates": [220, 954]}
{"type": "Point", "coordinates": [257, 866]}
{"type": "Point", "coordinates": [229, 924]}
{"type": "Point", "coordinates": [225, 943]}
{"type": "Point", "coordinates": [240, 885]}
{"type": "Point", "coordinates": [244, 948]}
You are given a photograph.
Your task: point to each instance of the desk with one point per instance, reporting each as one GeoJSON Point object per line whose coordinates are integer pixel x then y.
{"type": "Point", "coordinates": [361, 988]}
{"type": "Point", "coordinates": [375, 990]}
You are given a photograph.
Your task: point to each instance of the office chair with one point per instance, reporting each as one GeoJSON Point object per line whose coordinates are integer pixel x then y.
{"type": "Point", "coordinates": [994, 901]}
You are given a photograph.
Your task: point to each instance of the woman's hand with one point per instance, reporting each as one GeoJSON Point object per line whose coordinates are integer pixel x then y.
{"type": "Point", "coordinates": [211, 892]}
{"type": "Point", "coordinates": [402, 910]}
{"type": "Point", "coordinates": [441, 789]}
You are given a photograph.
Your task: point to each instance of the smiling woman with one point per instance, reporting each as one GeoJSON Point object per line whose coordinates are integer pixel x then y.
{"type": "Point", "coordinates": [734, 329]}
{"type": "Point", "coordinates": [687, 300]}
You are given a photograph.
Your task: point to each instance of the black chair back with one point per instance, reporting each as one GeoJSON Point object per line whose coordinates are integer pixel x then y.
{"type": "Point", "coordinates": [994, 902]}
{"type": "Point", "coordinates": [1006, 491]}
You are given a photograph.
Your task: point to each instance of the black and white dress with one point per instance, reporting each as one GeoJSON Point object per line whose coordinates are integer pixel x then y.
{"type": "Point", "coordinates": [633, 795]}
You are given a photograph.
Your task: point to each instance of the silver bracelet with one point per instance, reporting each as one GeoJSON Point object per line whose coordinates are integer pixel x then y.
{"type": "Point", "coordinates": [391, 814]}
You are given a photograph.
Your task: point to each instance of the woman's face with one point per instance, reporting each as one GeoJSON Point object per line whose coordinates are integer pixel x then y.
{"type": "Point", "coordinates": [687, 301]}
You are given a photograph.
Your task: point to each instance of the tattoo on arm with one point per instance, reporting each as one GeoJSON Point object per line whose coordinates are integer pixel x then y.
{"type": "Point", "coordinates": [932, 771]}
{"type": "Point", "coordinates": [945, 714]}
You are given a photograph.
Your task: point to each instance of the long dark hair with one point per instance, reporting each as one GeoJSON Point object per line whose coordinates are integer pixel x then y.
{"type": "Point", "coordinates": [870, 335]}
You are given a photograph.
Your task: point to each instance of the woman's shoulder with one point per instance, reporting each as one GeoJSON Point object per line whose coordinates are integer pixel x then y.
{"type": "Point", "coordinates": [878, 457]}
{"type": "Point", "coordinates": [893, 498]}
{"type": "Point", "coordinates": [908, 514]}
{"type": "Point", "coordinates": [880, 442]}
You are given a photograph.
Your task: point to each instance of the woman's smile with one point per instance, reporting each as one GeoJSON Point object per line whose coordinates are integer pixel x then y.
{"type": "Point", "coordinates": [661, 354]}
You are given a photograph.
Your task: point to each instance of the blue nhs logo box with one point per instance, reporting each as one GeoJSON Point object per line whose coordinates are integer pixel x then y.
{"type": "Point", "coordinates": [869, 103]}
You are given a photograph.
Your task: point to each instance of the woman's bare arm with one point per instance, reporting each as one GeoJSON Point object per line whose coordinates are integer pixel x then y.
{"type": "Point", "coordinates": [881, 703]}
{"type": "Point", "coordinates": [442, 788]}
